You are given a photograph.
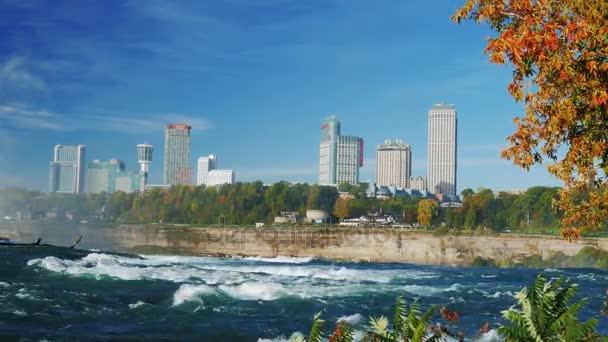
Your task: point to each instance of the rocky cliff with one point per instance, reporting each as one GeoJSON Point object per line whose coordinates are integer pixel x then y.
{"type": "Point", "coordinates": [378, 245]}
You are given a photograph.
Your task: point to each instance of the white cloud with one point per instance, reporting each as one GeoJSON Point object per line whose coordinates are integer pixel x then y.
{"type": "Point", "coordinates": [134, 124]}
{"type": "Point", "coordinates": [20, 117]}
{"type": "Point", "coordinates": [15, 75]}
{"type": "Point", "coordinates": [25, 118]}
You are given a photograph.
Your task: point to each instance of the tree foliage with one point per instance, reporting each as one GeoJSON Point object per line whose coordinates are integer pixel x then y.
{"type": "Point", "coordinates": [247, 203]}
{"type": "Point", "coordinates": [342, 208]}
{"type": "Point", "coordinates": [559, 54]}
{"type": "Point", "coordinates": [427, 211]}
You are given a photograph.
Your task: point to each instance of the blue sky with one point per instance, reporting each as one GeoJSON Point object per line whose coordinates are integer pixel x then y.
{"type": "Point", "coordinates": [255, 80]}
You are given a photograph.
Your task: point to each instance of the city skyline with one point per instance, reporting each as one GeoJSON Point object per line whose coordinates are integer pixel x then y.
{"type": "Point", "coordinates": [261, 84]}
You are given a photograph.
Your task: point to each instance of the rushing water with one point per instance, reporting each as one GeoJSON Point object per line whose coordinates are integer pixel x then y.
{"type": "Point", "coordinates": [61, 294]}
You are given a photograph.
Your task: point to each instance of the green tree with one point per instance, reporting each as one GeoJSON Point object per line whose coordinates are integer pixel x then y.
{"type": "Point", "coordinates": [470, 220]}
{"type": "Point", "coordinates": [467, 192]}
{"type": "Point", "coordinates": [449, 218]}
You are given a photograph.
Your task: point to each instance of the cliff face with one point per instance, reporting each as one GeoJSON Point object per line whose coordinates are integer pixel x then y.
{"type": "Point", "coordinates": [357, 244]}
{"type": "Point", "coordinates": [353, 244]}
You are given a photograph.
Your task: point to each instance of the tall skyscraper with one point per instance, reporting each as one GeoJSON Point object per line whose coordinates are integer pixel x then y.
{"type": "Point", "coordinates": [340, 157]}
{"type": "Point", "coordinates": [67, 169]}
{"type": "Point", "coordinates": [330, 131]}
{"type": "Point", "coordinates": [204, 165]}
{"type": "Point", "coordinates": [102, 175]}
{"type": "Point", "coordinates": [393, 164]}
{"type": "Point", "coordinates": [442, 150]}
{"type": "Point", "coordinates": [177, 168]}
{"type": "Point", "coordinates": [350, 159]}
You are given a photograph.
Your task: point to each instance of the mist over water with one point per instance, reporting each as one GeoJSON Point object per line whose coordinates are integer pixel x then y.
{"type": "Point", "coordinates": [62, 294]}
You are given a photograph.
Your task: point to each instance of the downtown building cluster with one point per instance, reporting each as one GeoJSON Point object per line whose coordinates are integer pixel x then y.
{"type": "Point", "coordinates": [67, 169]}
{"type": "Point", "coordinates": [340, 160]}
{"type": "Point", "coordinates": [340, 157]}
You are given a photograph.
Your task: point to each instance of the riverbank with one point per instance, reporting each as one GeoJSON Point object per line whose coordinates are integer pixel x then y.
{"type": "Point", "coordinates": [353, 244]}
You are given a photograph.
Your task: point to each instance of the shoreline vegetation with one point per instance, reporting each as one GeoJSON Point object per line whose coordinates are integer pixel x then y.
{"type": "Point", "coordinates": [518, 229]}
{"type": "Point", "coordinates": [244, 204]}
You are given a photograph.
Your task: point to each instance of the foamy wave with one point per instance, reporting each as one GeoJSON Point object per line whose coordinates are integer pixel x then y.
{"type": "Point", "coordinates": [3, 284]}
{"type": "Point", "coordinates": [297, 336]}
{"type": "Point", "coordinates": [125, 268]}
{"type": "Point", "coordinates": [426, 291]}
{"type": "Point", "coordinates": [209, 270]}
{"type": "Point", "coordinates": [553, 270]}
{"type": "Point", "coordinates": [324, 272]}
{"type": "Point", "coordinates": [492, 294]}
{"type": "Point", "coordinates": [244, 280]}
{"type": "Point", "coordinates": [282, 259]}
{"type": "Point", "coordinates": [490, 336]}
{"type": "Point", "coordinates": [136, 305]}
{"type": "Point", "coordinates": [20, 313]}
{"type": "Point", "coordinates": [353, 319]}
{"type": "Point", "coordinates": [257, 291]}
{"type": "Point", "coordinates": [191, 293]}
{"type": "Point", "coordinates": [25, 294]}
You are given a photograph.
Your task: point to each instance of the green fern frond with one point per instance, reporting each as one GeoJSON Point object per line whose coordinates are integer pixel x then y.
{"type": "Point", "coordinates": [544, 313]}
{"type": "Point", "coordinates": [316, 331]}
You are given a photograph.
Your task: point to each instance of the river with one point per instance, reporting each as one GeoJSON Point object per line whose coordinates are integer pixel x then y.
{"type": "Point", "coordinates": [62, 294]}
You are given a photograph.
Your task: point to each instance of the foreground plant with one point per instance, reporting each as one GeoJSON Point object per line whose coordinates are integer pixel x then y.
{"type": "Point", "coordinates": [408, 325]}
{"type": "Point", "coordinates": [544, 313]}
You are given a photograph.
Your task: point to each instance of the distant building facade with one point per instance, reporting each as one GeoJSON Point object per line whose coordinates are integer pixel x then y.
{"type": "Point", "coordinates": [350, 159]}
{"type": "Point", "coordinates": [393, 164]}
{"type": "Point", "coordinates": [220, 177]}
{"type": "Point", "coordinates": [66, 174]}
{"type": "Point", "coordinates": [442, 147]}
{"type": "Point", "coordinates": [330, 131]}
{"type": "Point", "coordinates": [176, 168]}
{"type": "Point", "coordinates": [131, 181]}
{"type": "Point", "coordinates": [209, 175]}
{"type": "Point", "coordinates": [340, 157]}
{"type": "Point", "coordinates": [101, 176]}
{"type": "Point", "coordinates": [417, 183]}
{"type": "Point", "coordinates": [204, 165]}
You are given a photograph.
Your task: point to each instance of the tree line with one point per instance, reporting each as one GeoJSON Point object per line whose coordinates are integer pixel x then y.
{"type": "Point", "coordinates": [248, 203]}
